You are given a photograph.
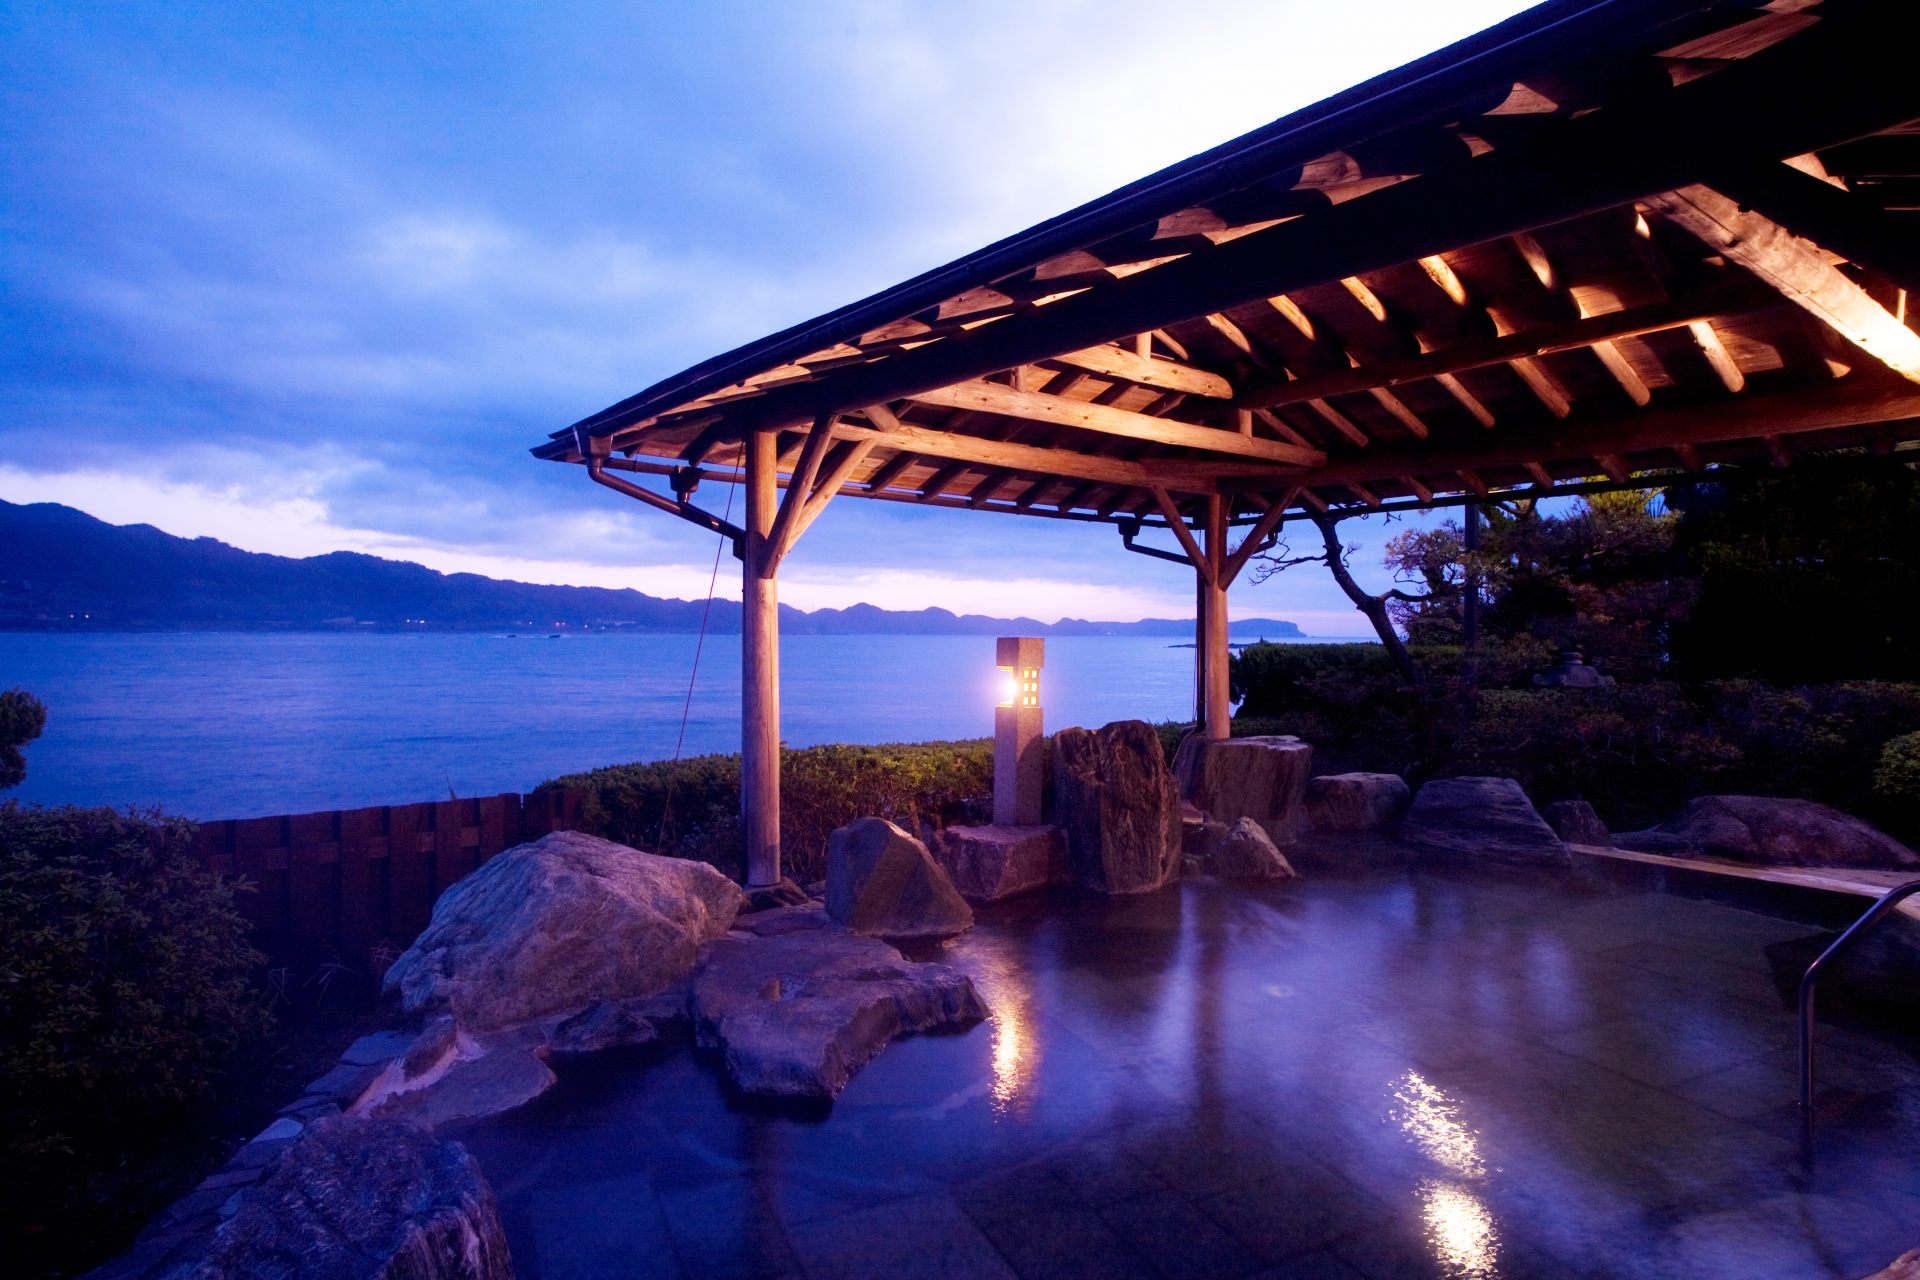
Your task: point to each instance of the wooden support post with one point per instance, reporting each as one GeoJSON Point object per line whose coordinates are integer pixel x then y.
{"type": "Point", "coordinates": [760, 671]}
{"type": "Point", "coordinates": [1213, 621]}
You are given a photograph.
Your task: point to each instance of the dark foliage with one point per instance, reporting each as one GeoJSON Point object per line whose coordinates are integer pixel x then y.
{"type": "Point", "coordinates": [1807, 574]}
{"type": "Point", "coordinates": [124, 992]}
{"type": "Point", "coordinates": [22, 717]}
{"type": "Point", "coordinates": [691, 808]}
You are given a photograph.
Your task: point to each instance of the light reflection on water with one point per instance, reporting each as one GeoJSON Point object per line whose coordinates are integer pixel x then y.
{"type": "Point", "coordinates": [1460, 1228]}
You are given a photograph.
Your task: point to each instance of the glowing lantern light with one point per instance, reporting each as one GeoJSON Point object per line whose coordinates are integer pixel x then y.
{"type": "Point", "coordinates": [1019, 755]}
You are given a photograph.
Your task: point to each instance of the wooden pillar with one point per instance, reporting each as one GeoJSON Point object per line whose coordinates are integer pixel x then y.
{"type": "Point", "coordinates": [760, 671]}
{"type": "Point", "coordinates": [1212, 577]}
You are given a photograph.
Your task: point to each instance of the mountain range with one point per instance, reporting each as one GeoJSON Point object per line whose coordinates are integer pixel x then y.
{"type": "Point", "coordinates": [62, 569]}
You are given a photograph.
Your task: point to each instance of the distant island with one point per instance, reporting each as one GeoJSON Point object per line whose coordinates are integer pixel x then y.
{"type": "Point", "coordinates": [64, 570]}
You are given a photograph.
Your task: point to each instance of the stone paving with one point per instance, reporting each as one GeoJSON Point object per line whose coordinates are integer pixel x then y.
{"type": "Point", "coordinates": [1388, 1074]}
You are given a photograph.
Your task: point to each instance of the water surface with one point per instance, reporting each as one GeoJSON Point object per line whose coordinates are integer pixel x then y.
{"type": "Point", "coordinates": [227, 725]}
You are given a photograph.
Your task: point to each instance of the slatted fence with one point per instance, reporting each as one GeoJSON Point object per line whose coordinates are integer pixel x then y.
{"type": "Point", "coordinates": [347, 885]}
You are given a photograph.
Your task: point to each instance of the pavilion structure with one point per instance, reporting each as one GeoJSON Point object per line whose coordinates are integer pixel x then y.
{"type": "Point", "coordinates": [1607, 242]}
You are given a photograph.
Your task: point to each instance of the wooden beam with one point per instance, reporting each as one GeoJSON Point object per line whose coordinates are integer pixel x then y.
{"type": "Point", "coordinates": [1188, 542]}
{"type": "Point", "coordinates": [1565, 335]}
{"type": "Point", "coordinates": [1845, 222]}
{"type": "Point", "coordinates": [760, 673]}
{"type": "Point", "coordinates": [1594, 161]}
{"type": "Point", "coordinates": [891, 470]}
{"type": "Point", "coordinates": [1185, 477]}
{"type": "Point", "coordinates": [1604, 349]}
{"type": "Point", "coordinates": [799, 489]}
{"type": "Point", "coordinates": [1032, 406]}
{"type": "Point", "coordinates": [1717, 356]}
{"type": "Point", "coordinates": [1167, 375]}
{"type": "Point", "coordinates": [1824, 407]}
{"type": "Point", "coordinates": [850, 456]}
{"type": "Point", "coordinates": [1796, 270]}
{"type": "Point", "coordinates": [1262, 529]}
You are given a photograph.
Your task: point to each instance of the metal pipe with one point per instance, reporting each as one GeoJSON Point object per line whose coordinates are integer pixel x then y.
{"type": "Point", "coordinates": [1880, 910]}
{"type": "Point", "coordinates": [686, 511]}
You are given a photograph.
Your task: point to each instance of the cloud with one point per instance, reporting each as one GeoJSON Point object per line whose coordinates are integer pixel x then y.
{"type": "Point", "coordinates": [328, 279]}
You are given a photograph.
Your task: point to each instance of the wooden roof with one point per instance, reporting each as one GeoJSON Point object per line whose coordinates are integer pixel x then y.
{"type": "Point", "coordinates": [1605, 238]}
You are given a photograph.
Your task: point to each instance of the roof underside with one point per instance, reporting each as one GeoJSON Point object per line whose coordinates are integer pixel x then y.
{"type": "Point", "coordinates": [1602, 240]}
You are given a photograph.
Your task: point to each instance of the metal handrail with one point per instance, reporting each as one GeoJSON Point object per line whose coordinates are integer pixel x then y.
{"type": "Point", "coordinates": [1873, 915]}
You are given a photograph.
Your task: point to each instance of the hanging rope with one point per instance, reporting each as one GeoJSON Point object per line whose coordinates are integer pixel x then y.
{"type": "Point", "coordinates": [686, 709]}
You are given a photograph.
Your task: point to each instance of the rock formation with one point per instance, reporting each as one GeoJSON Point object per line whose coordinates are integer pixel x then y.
{"type": "Point", "coordinates": [1263, 778]}
{"type": "Point", "coordinates": [1340, 802]}
{"type": "Point", "coordinates": [801, 1006]}
{"type": "Point", "coordinates": [550, 926]}
{"type": "Point", "coordinates": [989, 863]}
{"type": "Point", "coordinates": [360, 1198]}
{"type": "Point", "coordinates": [1116, 800]}
{"type": "Point", "coordinates": [1488, 818]}
{"type": "Point", "coordinates": [882, 882]}
{"type": "Point", "coordinates": [1766, 829]}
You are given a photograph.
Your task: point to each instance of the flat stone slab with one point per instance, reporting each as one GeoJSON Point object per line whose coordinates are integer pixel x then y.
{"type": "Point", "coordinates": [797, 1012]}
{"type": "Point", "coordinates": [993, 862]}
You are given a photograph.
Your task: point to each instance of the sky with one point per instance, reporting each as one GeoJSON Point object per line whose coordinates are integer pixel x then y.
{"type": "Point", "coordinates": [314, 277]}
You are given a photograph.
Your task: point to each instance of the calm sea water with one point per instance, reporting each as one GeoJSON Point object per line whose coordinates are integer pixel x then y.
{"type": "Point", "coordinates": [230, 725]}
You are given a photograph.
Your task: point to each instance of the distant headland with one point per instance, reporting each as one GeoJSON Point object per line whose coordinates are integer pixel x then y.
{"type": "Point", "coordinates": [64, 570]}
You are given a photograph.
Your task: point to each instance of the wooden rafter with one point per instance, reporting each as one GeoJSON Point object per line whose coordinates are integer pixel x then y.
{"type": "Point", "coordinates": [1143, 370]}
{"type": "Point", "coordinates": [1567, 335]}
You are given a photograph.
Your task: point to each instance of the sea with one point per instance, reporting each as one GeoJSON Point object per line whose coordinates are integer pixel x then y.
{"type": "Point", "coordinates": [246, 724]}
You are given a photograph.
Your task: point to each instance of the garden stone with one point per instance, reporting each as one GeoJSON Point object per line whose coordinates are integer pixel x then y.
{"type": "Point", "coordinates": [1263, 778]}
{"type": "Point", "coordinates": [797, 1013]}
{"type": "Point", "coordinates": [781, 893]}
{"type": "Point", "coordinates": [346, 1082]}
{"type": "Point", "coordinates": [486, 1083]}
{"type": "Point", "coordinates": [1577, 823]}
{"type": "Point", "coordinates": [882, 882]}
{"type": "Point", "coordinates": [377, 1049]}
{"type": "Point", "coordinates": [361, 1198]}
{"type": "Point", "coordinates": [1244, 852]}
{"type": "Point", "coordinates": [1356, 801]}
{"type": "Point", "coordinates": [1766, 829]}
{"type": "Point", "coordinates": [992, 862]}
{"type": "Point", "coordinates": [606, 1024]}
{"type": "Point", "coordinates": [1489, 818]}
{"type": "Point", "coordinates": [1117, 802]}
{"type": "Point", "coordinates": [548, 926]}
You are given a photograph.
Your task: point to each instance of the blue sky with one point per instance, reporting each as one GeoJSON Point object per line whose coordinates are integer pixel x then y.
{"type": "Point", "coordinates": [314, 277]}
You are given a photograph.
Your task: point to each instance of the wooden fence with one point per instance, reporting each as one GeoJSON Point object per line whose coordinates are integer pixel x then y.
{"type": "Point", "coordinates": [356, 885]}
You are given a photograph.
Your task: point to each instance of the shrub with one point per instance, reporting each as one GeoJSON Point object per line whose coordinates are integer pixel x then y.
{"type": "Point", "coordinates": [1896, 782]}
{"type": "Point", "coordinates": [124, 990]}
{"type": "Point", "coordinates": [690, 808]}
{"type": "Point", "coordinates": [22, 717]}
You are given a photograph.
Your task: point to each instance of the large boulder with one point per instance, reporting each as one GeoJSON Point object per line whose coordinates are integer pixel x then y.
{"type": "Point", "coordinates": [551, 926]}
{"type": "Point", "coordinates": [1764, 829]}
{"type": "Point", "coordinates": [1488, 818]}
{"type": "Point", "coordinates": [798, 1008]}
{"type": "Point", "coordinates": [1116, 800]}
{"type": "Point", "coordinates": [1263, 778]}
{"type": "Point", "coordinates": [364, 1198]}
{"type": "Point", "coordinates": [1341, 802]}
{"type": "Point", "coordinates": [989, 863]}
{"type": "Point", "coordinates": [1244, 852]}
{"type": "Point", "coordinates": [883, 882]}
{"type": "Point", "coordinates": [1577, 823]}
